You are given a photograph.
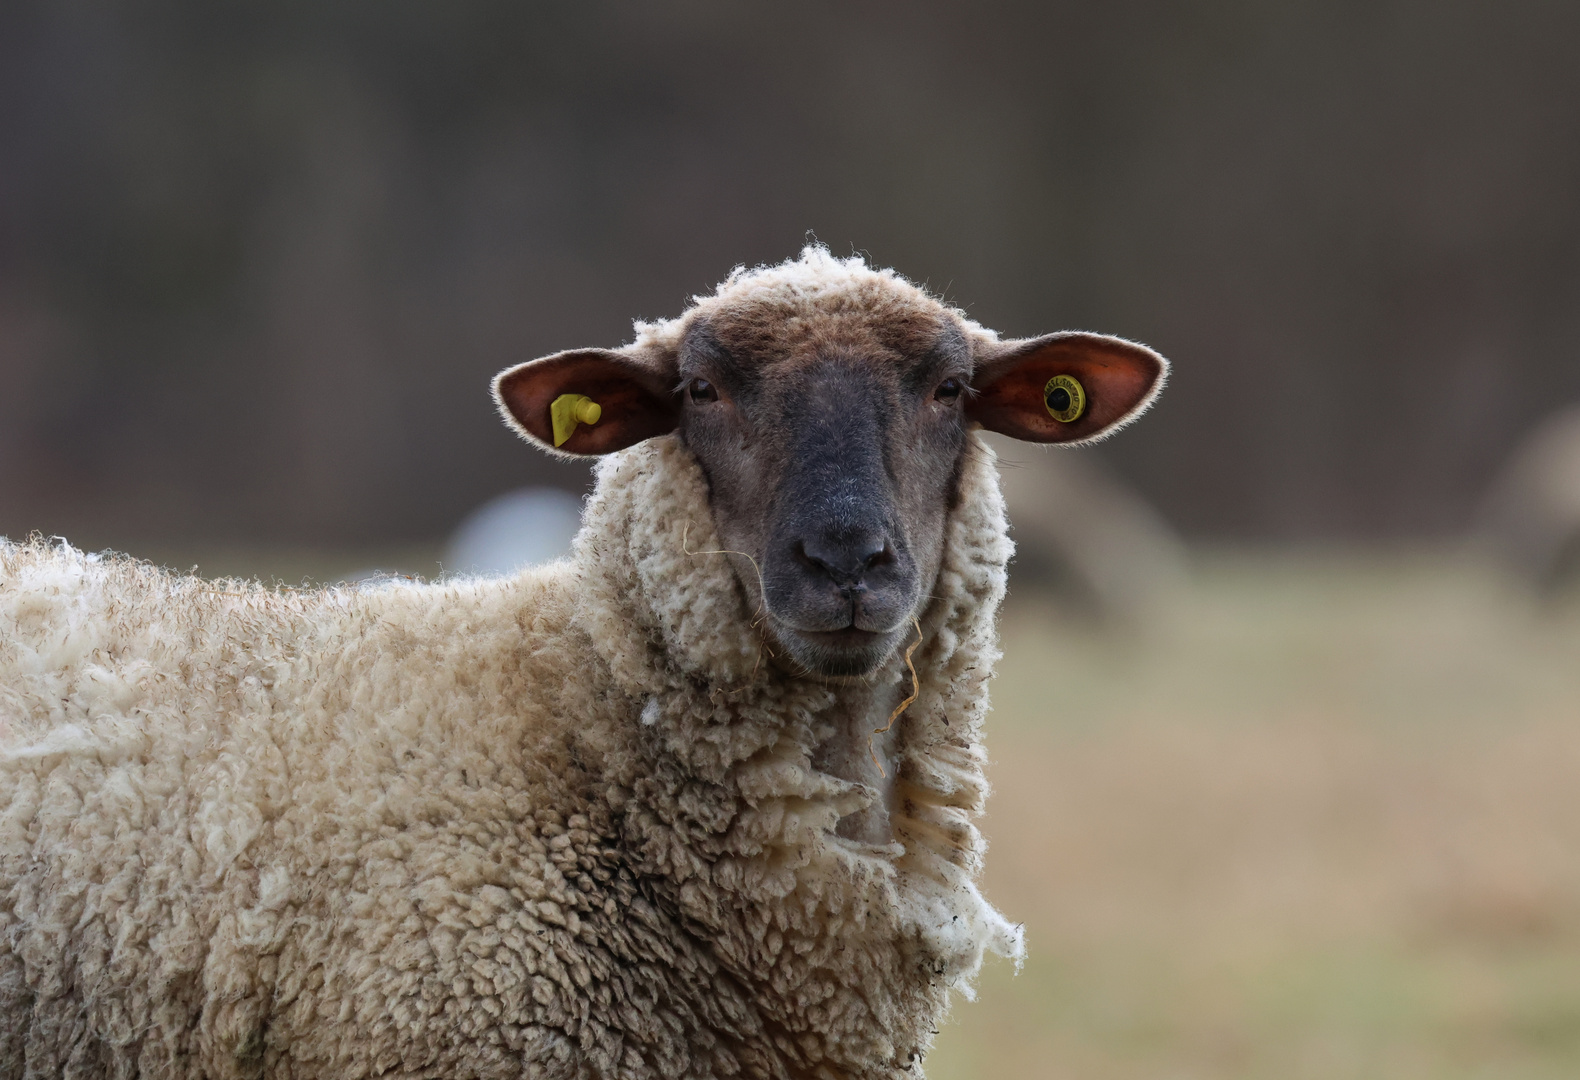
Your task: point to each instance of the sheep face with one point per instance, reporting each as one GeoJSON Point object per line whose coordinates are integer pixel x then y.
{"type": "Point", "coordinates": [830, 406]}
{"type": "Point", "coordinates": [832, 462]}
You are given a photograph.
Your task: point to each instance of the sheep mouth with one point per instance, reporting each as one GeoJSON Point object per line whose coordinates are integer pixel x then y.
{"type": "Point", "coordinates": [848, 650]}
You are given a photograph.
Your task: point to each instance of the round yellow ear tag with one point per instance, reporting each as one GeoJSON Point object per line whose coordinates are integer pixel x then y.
{"type": "Point", "coordinates": [1065, 398]}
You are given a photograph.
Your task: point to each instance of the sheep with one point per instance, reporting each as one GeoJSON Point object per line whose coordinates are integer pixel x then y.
{"type": "Point", "coordinates": [1529, 521]}
{"type": "Point", "coordinates": [1084, 539]}
{"type": "Point", "coordinates": [698, 801]}
{"type": "Point", "coordinates": [1086, 543]}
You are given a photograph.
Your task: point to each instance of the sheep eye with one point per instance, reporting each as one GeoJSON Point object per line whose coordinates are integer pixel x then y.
{"type": "Point", "coordinates": [702, 390]}
{"type": "Point", "coordinates": [948, 391]}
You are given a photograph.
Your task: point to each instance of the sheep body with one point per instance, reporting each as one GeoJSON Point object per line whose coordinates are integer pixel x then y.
{"type": "Point", "coordinates": [562, 824]}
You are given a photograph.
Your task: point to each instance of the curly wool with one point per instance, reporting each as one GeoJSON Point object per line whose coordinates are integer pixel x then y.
{"type": "Point", "coordinates": [564, 824]}
{"type": "Point", "coordinates": [796, 300]}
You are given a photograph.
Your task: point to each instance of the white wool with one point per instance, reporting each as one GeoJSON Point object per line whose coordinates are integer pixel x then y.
{"type": "Point", "coordinates": [815, 278]}
{"type": "Point", "coordinates": [560, 824]}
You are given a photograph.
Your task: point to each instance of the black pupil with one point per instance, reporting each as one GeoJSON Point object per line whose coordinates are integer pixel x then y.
{"type": "Point", "coordinates": [701, 390]}
{"type": "Point", "coordinates": [949, 388]}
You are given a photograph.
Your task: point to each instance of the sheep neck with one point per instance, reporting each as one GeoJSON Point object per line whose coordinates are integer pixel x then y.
{"type": "Point", "coordinates": [674, 628]}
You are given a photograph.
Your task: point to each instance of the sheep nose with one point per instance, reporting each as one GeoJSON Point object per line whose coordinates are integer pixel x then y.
{"type": "Point", "coordinates": [845, 561]}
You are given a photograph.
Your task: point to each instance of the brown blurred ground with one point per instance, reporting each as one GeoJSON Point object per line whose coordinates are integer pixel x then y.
{"type": "Point", "coordinates": [1324, 823]}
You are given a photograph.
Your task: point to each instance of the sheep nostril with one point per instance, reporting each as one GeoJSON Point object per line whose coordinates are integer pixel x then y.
{"type": "Point", "coordinates": [844, 563]}
{"type": "Point", "coordinates": [805, 558]}
{"type": "Point", "coordinates": [882, 556]}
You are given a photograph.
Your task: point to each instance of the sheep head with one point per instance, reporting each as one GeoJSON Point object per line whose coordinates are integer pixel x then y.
{"type": "Point", "coordinates": [830, 406]}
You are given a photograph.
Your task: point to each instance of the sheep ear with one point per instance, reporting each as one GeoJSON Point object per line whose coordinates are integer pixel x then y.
{"type": "Point", "coordinates": [588, 401]}
{"type": "Point", "coordinates": [1069, 387]}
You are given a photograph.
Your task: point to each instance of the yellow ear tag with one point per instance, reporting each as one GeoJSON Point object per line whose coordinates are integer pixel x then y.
{"type": "Point", "coordinates": [569, 410]}
{"type": "Point", "coordinates": [1065, 398]}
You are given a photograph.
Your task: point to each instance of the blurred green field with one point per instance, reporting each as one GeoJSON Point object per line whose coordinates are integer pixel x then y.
{"type": "Point", "coordinates": [1322, 819]}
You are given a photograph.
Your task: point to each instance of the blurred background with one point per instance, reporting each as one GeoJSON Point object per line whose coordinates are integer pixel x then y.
{"type": "Point", "coordinates": [1303, 795]}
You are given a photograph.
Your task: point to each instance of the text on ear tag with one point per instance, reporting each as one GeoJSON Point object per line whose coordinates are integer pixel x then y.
{"type": "Point", "coordinates": [1064, 397]}
{"type": "Point", "coordinates": [568, 410]}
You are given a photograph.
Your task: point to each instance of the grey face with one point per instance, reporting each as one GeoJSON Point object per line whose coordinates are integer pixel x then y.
{"type": "Point", "coordinates": [830, 413]}
{"type": "Point", "coordinates": [834, 466]}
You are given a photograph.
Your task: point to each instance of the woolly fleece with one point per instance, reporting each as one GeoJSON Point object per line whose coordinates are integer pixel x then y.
{"type": "Point", "coordinates": [562, 824]}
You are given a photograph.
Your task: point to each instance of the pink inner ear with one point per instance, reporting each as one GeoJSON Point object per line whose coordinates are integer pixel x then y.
{"type": "Point", "coordinates": [1118, 378]}
{"type": "Point", "coordinates": [634, 402]}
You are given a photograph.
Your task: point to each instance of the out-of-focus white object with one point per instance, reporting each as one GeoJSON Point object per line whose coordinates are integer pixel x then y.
{"type": "Point", "coordinates": [1082, 536]}
{"type": "Point", "coordinates": [1531, 518]}
{"type": "Point", "coordinates": [526, 527]}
